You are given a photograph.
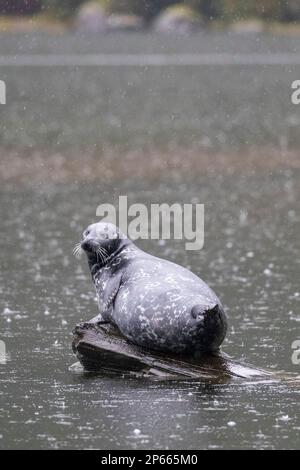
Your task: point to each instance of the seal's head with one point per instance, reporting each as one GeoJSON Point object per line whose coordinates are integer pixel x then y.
{"type": "Point", "coordinates": [100, 242]}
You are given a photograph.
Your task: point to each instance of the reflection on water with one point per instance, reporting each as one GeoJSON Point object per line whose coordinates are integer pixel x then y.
{"type": "Point", "coordinates": [250, 258]}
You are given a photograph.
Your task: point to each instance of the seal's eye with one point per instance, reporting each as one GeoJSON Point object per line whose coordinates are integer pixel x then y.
{"type": "Point", "coordinates": [86, 233]}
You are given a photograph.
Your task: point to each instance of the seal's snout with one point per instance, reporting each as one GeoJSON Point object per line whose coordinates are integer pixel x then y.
{"type": "Point", "coordinates": [87, 245]}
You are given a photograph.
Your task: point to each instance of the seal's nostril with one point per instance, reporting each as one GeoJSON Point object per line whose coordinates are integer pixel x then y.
{"type": "Point", "coordinates": [86, 245]}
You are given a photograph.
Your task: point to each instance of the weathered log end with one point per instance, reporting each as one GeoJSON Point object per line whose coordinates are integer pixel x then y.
{"type": "Point", "coordinates": [101, 348]}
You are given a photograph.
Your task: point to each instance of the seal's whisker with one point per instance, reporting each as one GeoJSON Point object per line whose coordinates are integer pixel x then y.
{"type": "Point", "coordinates": [103, 253]}
{"type": "Point", "coordinates": [99, 253]}
{"type": "Point", "coordinates": [77, 250]}
{"type": "Point", "coordinates": [98, 256]}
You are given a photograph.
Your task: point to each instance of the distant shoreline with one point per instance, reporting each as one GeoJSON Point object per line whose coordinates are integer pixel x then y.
{"type": "Point", "coordinates": [28, 168]}
{"type": "Point", "coordinates": [47, 24]}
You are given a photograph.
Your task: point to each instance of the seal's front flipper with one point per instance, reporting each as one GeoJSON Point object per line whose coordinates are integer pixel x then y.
{"type": "Point", "coordinates": [107, 292]}
{"type": "Point", "coordinates": [98, 319]}
{"type": "Point", "coordinates": [97, 324]}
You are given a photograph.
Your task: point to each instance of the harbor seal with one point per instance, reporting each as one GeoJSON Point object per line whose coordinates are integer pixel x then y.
{"type": "Point", "coordinates": [154, 303]}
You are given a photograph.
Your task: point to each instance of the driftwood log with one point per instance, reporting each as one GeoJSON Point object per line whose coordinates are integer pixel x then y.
{"type": "Point", "coordinates": [101, 348]}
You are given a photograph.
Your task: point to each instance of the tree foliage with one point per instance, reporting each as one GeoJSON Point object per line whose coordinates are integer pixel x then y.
{"type": "Point", "coordinates": [286, 10]}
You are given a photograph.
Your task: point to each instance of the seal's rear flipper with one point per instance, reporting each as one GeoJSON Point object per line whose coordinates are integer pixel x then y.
{"type": "Point", "coordinates": [212, 326]}
{"type": "Point", "coordinates": [214, 310]}
{"type": "Point", "coordinates": [203, 312]}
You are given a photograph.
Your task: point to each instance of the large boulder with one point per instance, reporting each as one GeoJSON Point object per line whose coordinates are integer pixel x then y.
{"type": "Point", "coordinates": [120, 22]}
{"type": "Point", "coordinates": [90, 18]}
{"type": "Point", "coordinates": [178, 19]}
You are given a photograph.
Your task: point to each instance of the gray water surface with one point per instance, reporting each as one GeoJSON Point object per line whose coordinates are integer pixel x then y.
{"type": "Point", "coordinates": [215, 107]}
{"type": "Point", "coordinates": [250, 258]}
